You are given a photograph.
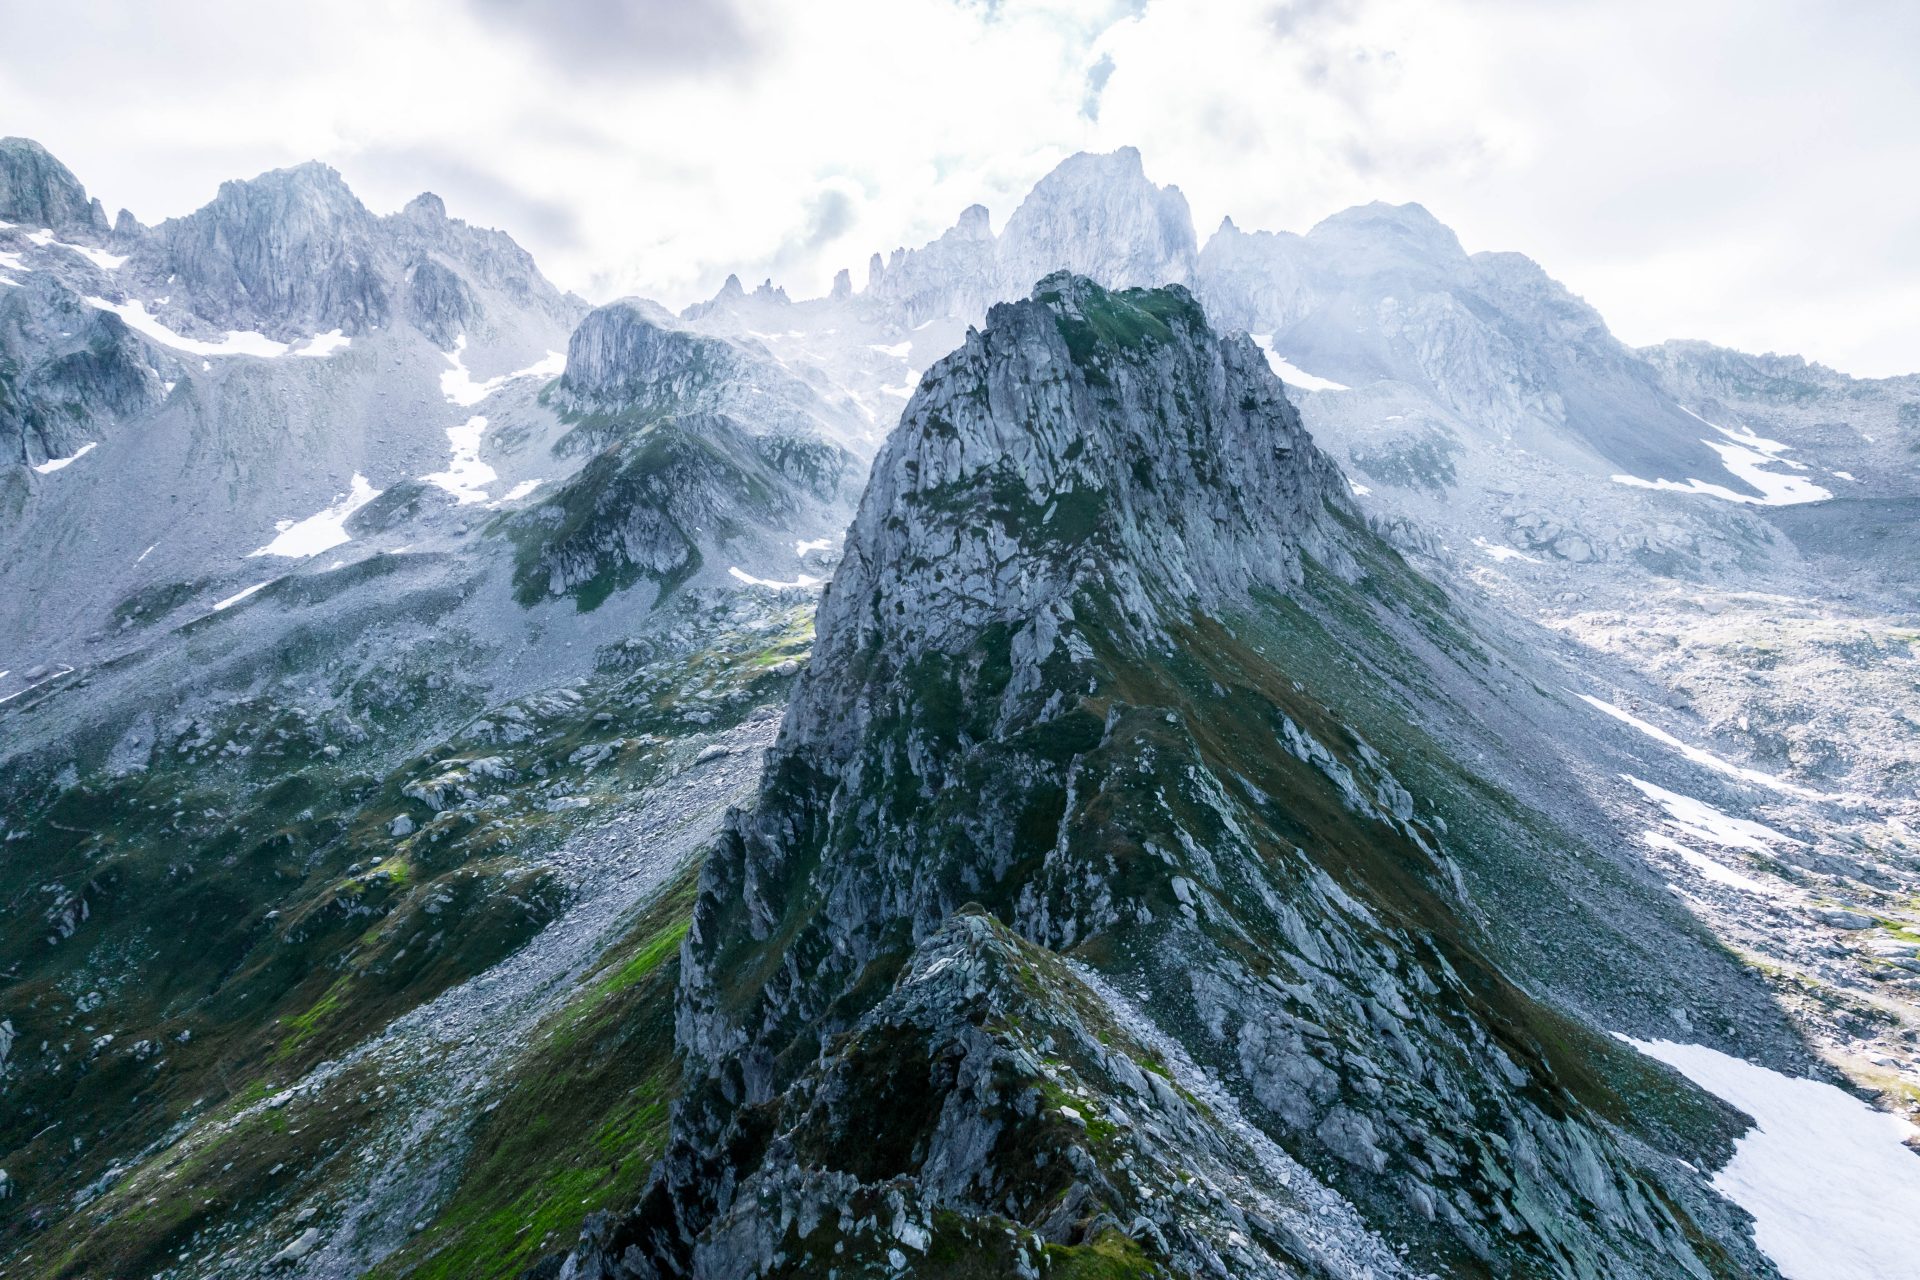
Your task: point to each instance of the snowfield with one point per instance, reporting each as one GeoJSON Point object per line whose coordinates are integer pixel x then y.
{"type": "Point", "coordinates": [1292, 374]}
{"type": "Point", "coordinates": [323, 530]}
{"type": "Point", "coordinates": [1706, 759]}
{"type": "Point", "coordinates": [1747, 456]}
{"type": "Point", "coordinates": [1834, 1193]}
{"type": "Point", "coordinates": [458, 386]}
{"type": "Point", "coordinates": [52, 465]}
{"type": "Point", "coordinates": [466, 474]}
{"type": "Point", "coordinates": [238, 342]}
{"type": "Point", "coordinates": [1702, 821]}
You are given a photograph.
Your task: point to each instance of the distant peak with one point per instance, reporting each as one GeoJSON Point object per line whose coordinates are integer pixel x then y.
{"type": "Point", "coordinates": [1401, 228]}
{"type": "Point", "coordinates": [426, 207]}
{"type": "Point", "coordinates": [312, 183]}
{"type": "Point", "coordinates": [974, 224]}
{"type": "Point", "coordinates": [1122, 165]}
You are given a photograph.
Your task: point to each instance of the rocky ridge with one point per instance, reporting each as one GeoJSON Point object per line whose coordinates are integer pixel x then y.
{"type": "Point", "coordinates": [1014, 754]}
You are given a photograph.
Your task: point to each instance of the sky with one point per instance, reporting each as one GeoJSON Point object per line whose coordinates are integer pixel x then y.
{"type": "Point", "coordinates": [1744, 171]}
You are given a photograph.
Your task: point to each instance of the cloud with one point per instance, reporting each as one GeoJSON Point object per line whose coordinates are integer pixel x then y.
{"type": "Point", "coordinates": [473, 193]}
{"type": "Point", "coordinates": [1748, 176]}
{"type": "Point", "coordinates": [626, 36]}
{"type": "Point", "coordinates": [1097, 76]}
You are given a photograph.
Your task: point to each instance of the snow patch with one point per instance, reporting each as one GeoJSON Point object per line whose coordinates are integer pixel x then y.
{"type": "Point", "coordinates": [1499, 552]}
{"type": "Point", "coordinates": [1746, 456]}
{"type": "Point", "coordinates": [1359, 490]}
{"type": "Point", "coordinates": [520, 491]}
{"type": "Point", "coordinates": [816, 544]}
{"type": "Point", "coordinates": [144, 554]}
{"type": "Point", "coordinates": [98, 257]}
{"type": "Point", "coordinates": [324, 344]}
{"type": "Point", "coordinates": [1292, 374]}
{"type": "Point", "coordinates": [898, 351]}
{"type": "Point", "coordinates": [1706, 866]}
{"type": "Point", "coordinates": [802, 581]}
{"type": "Point", "coordinates": [238, 596]}
{"type": "Point", "coordinates": [52, 465]}
{"type": "Point", "coordinates": [1704, 758]}
{"type": "Point", "coordinates": [1702, 821]}
{"type": "Point", "coordinates": [12, 262]}
{"type": "Point", "coordinates": [1829, 1183]}
{"type": "Point", "coordinates": [238, 342]}
{"type": "Point", "coordinates": [466, 474]}
{"type": "Point", "coordinates": [322, 531]}
{"type": "Point", "coordinates": [458, 386]}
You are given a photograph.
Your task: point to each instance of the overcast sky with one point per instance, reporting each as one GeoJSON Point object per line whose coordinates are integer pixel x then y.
{"type": "Point", "coordinates": [1746, 171]}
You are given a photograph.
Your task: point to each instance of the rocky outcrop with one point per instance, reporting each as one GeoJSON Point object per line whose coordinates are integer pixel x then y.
{"type": "Point", "coordinates": [439, 302]}
{"type": "Point", "coordinates": [1070, 925]}
{"type": "Point", "coordinates": [632, 357]}
{"type": "Point", "coordinates": [66, 371]}
{"type": "Point", "coordinates": [38, 191]}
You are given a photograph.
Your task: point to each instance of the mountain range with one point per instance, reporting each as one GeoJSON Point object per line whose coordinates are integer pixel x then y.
{"type": "Point", "coordinates": [1091, 754]}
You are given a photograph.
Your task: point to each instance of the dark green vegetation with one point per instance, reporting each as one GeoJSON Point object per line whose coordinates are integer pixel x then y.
{"type": "Point", "coordinates": [275, 885]}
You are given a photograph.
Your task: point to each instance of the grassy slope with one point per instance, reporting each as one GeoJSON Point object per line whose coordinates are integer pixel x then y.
{"type": "Point", "coordinates": [250, 915]}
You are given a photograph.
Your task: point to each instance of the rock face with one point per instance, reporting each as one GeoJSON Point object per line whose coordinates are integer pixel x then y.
{"type": "Point", "coordinates": [631, 356]}
{"type": "Point", "coordinates": [65, 370]}
{"type": "Point", "coordinates": [290, 250]}
{"type": "Point", "coordinates": [1050, 759]}
{"type": "Point", "coordinates": [1386, 292]}
{"type": "Point", "coordinates": [38, 191]}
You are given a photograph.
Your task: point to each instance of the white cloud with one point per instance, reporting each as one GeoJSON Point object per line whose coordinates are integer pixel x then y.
{"type": "Point", "coordinates": [1739, 172]}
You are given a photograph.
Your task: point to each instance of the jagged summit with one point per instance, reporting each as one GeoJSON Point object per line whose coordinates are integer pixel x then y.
{"type": "Point", "coordinates": [1101, 216]}
{"type": "Point", "coordinates": [1097, 215]}
{"type": "Point", "coordinates": [1065, 736]}
{"type": "Point", "coordinates": [1154, 450]}
{"type": "Point", "coordinates": [36, 190]}
{"type": "Point", "coordinates": [974, 223]}
{"type": "Point", "coordinates": [426, 208]}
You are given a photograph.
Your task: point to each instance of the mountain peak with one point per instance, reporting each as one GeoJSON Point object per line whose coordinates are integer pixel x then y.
{"type": "Point", "coordinates": [1099, 215]}
{"type": "Point", "coordinates": [1057, 707]}
{"type": "Point", "coordinates": [36, 190]}
{"type": "Point", "coordinates": [289, 251]}
{"type": "Point", "coordinates": [1404, 231]}
{"type": "Point", "coordinates": [426, 207]}
{"type": "Point", "coordinates": [974, 224]}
